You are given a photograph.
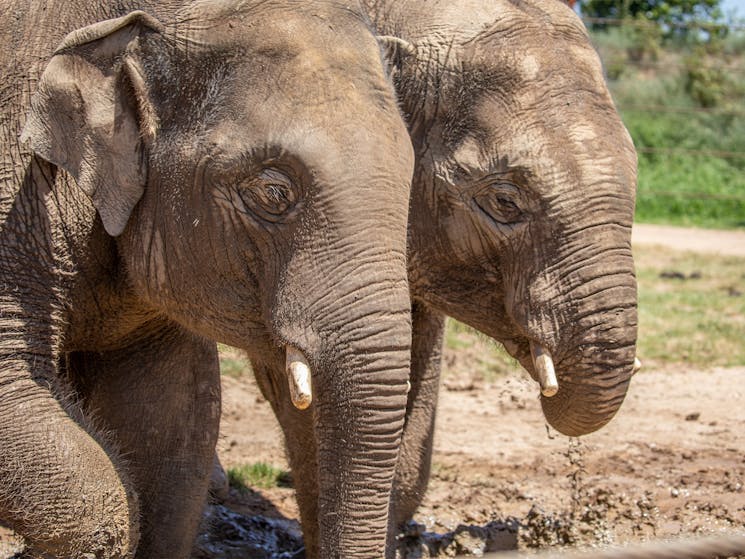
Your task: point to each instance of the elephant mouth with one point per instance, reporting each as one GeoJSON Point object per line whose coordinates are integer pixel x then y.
{"type": "Point", "coordinates": [522, 349]}
{"type": "Point", "coordinates": [538, 361]}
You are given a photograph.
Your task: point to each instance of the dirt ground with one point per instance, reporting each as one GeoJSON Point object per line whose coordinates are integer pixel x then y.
{"type": "Point", "coordinates": [672, 463]}
{"type": "Point", "coordinates": [712, 241]}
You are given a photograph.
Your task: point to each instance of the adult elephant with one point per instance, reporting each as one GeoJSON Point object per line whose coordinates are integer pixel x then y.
{"type": "Point", "coordinates": [521, 208]}
{"type": "Point", "coordinates": [234, 171]}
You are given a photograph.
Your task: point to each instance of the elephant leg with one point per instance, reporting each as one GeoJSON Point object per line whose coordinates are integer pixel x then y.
{"type": "Point", "coordinates": [415, 455]}
{"type": "Point", "coordinates": [301, 448]}
{"type": "Point", "coordinates": [61, 485]}
{"type": "Point", "coordinates": [160, 399]}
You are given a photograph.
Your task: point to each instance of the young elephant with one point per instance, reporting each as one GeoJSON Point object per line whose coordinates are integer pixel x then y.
{"type": "Point", "coordinates": [521, 209]}
{"type": "Point", "coordinates": [239, 174]}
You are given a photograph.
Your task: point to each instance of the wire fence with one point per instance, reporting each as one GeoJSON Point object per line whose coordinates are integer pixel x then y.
{"type": "Point", "coordinates": [679, 60]}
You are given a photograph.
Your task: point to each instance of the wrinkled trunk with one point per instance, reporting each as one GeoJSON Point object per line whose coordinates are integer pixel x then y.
{"type": "Point", "coordinates": [589, 327]}
{"type": "Point", "coordinates": [358, 348]}
{"type": "Point", "coordinates": [596, 368]}
{"type": "Point", "coordinates": [358, 428]}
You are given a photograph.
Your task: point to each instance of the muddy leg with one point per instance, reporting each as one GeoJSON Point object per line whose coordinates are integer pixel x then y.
{"type": "Point", "coordinates": [160, 400]}
{"type": "Point", "coordinates": [415, 456]}
{"type": "Point", "coordinates": [61, 487]}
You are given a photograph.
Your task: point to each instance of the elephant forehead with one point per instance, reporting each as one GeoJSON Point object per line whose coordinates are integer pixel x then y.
{"type": "Point", "coordinates": [315, 33]}
{"type": "Point", "coordinates": [329, 153]}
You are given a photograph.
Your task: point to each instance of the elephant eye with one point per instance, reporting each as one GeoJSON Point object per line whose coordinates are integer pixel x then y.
{"type": "Point", "coordinates": [271, 195]}
{"type": "Point", "coordinates": [499, 203]}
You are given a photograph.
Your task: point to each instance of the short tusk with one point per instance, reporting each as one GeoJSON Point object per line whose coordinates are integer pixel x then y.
{"type": "Point", "coordinates": [544, 368]}
{"type": "Point", "coordinates": [637, 366]}
{"type": "Point", "coordinates": [298, 375]}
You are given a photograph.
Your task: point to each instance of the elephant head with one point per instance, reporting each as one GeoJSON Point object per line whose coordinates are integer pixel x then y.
{"type": "Point", "coordinates": [523, 193]}
{"type": "Point", "coordinates": [252, 164]}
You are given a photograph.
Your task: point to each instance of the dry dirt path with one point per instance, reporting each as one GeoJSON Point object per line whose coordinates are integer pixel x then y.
{"type": "Point", "coordinates": [712, 241]}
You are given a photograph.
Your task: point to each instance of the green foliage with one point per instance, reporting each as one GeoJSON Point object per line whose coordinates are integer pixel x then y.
{"type": "Point", "coordinates": [690, 188]}
{"type": "Point", "coordinates": [660, 11]}
{"type": "Point", "coordinates": [645, 41]}
{"type": "Point", "coordinates": [260, 474]}
{"type": "Point", "coordinates": [686, 116]}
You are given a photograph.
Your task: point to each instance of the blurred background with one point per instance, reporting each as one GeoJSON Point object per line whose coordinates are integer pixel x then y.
{"type": "Point", "coordinates": [677, 71]}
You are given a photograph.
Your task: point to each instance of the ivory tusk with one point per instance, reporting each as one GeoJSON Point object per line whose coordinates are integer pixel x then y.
{"type": "Point", "coordinates": [544, 368]}
{"type": "Point", "coordinates": [298, 376]}
{"type": "Point", "coordinates": [637, 366]}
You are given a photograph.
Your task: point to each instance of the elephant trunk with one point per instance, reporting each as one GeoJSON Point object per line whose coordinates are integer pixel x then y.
{"type": "Point", "coordinates": [590, 393]}
{"type": "Point", "coordinates": [358, 429]}
{"type": "Point", "coordinates": [354, 341]}
{"type": "Point", "coordinates": [589, 330]}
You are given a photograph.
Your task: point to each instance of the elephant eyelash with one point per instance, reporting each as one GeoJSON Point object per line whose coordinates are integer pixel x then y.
{"type": "Point", "coordinates": [271, 195]}
{"type": "Point", "coordinates": [500, 202]}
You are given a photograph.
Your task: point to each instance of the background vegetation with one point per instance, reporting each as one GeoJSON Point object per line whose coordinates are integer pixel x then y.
{"type": "Point", "coordinates": [680, 88]}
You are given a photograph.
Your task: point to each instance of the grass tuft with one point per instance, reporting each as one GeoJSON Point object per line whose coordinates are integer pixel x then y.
{"type": "Point", "coordinates": [258, 475]}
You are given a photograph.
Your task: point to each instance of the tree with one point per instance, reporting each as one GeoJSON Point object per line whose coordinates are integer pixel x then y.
{"type": "Point", "coordinates": [669, 12]}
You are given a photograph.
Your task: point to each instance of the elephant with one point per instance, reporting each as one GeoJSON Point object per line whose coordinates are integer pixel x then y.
{"type": "Point", "coordinates": [520, 218]}
{"type": "Point", "coordinates": [173, 175]}
{"type": "Point", "coordinates": [521, 207]}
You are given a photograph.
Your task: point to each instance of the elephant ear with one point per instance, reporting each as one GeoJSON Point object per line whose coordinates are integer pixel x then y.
{"type": "Point", "coordinates": [91, 114]}
{"type": "Point", "coordinates": [396, 51]}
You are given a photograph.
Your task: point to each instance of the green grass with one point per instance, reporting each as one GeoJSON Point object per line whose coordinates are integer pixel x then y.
{"type": "Point", "coordinates": [259, 475]}
{"type": "Point", "coordinates": [233, 363]}
{"type": "Point", "coordinates": [690, 189]}
{"type": "Point", "coordinates": [699, 320]}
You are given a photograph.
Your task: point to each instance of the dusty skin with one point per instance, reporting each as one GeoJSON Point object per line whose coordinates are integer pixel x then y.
{"type": "Point", "coordinates": [671, 463]}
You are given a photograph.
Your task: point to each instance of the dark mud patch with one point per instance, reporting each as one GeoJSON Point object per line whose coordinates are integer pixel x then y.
{"type": "Point", "coordinates": [227, 534]}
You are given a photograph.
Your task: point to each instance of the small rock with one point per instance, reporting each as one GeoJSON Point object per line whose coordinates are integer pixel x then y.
{"type": "Point", "coordinates": [693, 416]}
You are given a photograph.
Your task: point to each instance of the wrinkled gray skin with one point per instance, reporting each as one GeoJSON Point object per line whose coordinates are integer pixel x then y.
{"type": "Point", "coordinates": [238, 172]}
{"type": "Point", "coordinates": [521, 207]}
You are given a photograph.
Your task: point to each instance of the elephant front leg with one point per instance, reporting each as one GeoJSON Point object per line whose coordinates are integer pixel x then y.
{"type": "Point", "coordinates": [62, 488]}
{"type": "Point", "coordinates": [160, 400]}
{"type": "Point", "coordinates": [415, 456]}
